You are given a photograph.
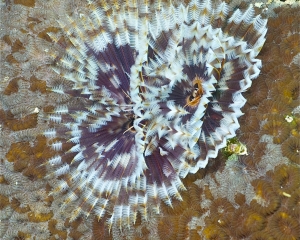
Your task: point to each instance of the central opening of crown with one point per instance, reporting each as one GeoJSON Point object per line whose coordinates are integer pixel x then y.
{"type": "Point", "coordinates": [194, 98]}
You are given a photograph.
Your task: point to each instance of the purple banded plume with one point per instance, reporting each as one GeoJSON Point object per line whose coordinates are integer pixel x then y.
{"type": "Point", "coordinates": [155, 90]}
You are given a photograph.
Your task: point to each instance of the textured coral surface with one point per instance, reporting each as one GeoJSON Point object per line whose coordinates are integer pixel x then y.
{"type": "Point", "coordinates": [254, 197]}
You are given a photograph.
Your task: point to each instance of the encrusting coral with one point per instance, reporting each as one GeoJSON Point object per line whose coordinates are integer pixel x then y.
{"type": "Point", "coordinates": [246, 221]}
{"type": "Point", "coordinates": [293, 204]}
{"type": "Point", "coordinates": [254, 196]}
{"type": "Point", "coordinates": [284, 227]}
{"type": "Point", "coordinates": [277, 127]}
{"type": "Point", "coordinates": [266, 200]}
{"type": "Point", "coordinates": [291, 149]}
{"type": "Point", "coordinates": [286, 179]}
{"type": "Point", "coordinates": [167, 228]}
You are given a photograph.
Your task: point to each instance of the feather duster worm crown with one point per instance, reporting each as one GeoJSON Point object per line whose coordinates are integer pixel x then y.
{"type": "Point", "coordinates": [158, 91]}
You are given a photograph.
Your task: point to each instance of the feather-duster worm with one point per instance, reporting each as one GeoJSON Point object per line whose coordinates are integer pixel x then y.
{"type": "Point", "coordinates": [155, 91]}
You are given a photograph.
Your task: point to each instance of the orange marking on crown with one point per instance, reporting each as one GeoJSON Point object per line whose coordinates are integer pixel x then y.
{"type": "Point", "coordinates": [194, 99]}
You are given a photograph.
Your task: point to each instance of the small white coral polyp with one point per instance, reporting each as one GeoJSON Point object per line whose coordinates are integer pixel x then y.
{"type": "Point", "coordinates": [161, 87]}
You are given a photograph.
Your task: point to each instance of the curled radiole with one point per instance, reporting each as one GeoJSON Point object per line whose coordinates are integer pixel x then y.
{"type": "Point", "coordinates": [154, 91]}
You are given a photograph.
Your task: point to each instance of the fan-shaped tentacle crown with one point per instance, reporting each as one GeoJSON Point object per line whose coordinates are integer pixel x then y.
{"type": "Point", "coordinates": [160, 88]}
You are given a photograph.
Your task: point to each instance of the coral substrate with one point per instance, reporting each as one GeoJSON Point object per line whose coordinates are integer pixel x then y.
{"type": "Point", "coordinates": [254, 196]}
